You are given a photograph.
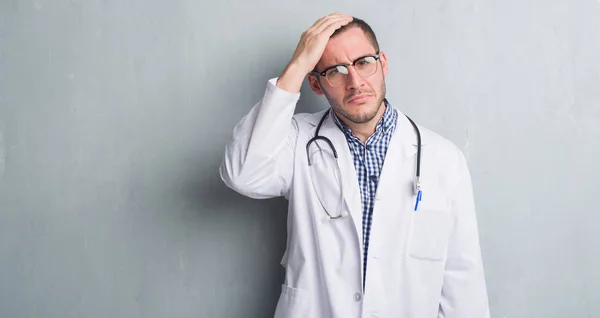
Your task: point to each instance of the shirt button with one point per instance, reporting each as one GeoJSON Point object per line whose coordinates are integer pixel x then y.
{"type": "Point", "coordinates": [368, 147]}
{"type": "Point", "coordinates": [357, 297]}
{"type": "Point", "coordinates": [373, 178]}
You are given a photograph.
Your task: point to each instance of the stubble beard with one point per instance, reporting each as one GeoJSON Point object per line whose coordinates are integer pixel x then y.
{"type": "Point", "coordinates": [361, 118]}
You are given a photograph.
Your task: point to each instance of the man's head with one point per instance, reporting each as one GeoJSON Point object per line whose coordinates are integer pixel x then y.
{"type": "Point", "coordinates": [358, 95]}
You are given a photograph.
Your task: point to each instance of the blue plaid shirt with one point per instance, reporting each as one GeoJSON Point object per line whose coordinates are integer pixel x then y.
{"type": "Point", "coordinates": [368, 161]}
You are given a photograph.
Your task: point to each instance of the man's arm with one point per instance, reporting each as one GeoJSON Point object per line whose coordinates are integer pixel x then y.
{"type": "Point", "coordinates": [258, 160]}
{"type": "Point", "coordinates": [464, 293]}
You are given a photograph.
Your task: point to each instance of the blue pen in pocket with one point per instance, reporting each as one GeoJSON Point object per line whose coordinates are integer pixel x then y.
{"type": "Point", "coordinates": [418, 199]}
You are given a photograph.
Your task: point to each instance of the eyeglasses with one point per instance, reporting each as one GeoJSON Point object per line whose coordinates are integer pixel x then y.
{"type": "Point", "coordinates": [337, 75]}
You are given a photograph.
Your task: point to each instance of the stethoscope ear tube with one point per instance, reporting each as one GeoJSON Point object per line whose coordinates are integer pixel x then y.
{"type": "Point", "coordinates": [315, 138]}
{"type": "Point", "coordinates": [417, 182]}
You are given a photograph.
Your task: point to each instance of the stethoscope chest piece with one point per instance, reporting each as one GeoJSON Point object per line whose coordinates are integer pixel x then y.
{"type": "Point", "coordinates": [417, 185]}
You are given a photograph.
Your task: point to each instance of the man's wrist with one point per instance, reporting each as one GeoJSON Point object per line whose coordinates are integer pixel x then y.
{"type": "Point", "coordinates": [292, 77]}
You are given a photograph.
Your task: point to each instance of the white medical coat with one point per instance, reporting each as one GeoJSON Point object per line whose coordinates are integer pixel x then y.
{"type": "Point", "coordinates": [420, 264]}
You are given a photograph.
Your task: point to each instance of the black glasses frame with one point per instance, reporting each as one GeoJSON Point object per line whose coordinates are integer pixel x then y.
{"type": "Point", "coordinates": [376, 56]}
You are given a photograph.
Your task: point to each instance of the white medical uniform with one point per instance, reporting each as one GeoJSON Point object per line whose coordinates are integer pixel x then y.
{"type": "Point", "coordinates": [421, 264]}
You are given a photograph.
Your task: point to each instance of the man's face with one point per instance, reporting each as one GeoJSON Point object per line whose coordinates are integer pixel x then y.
{"type": "Point", "coordinates": [360, 98]}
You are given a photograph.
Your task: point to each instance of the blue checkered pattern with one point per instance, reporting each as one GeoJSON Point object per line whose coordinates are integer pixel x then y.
{"type": "Point", "coordinates": [368, 161]}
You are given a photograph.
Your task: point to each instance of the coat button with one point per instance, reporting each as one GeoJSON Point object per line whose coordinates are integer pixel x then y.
{"type": "Point", "coordinates": [357, 297]}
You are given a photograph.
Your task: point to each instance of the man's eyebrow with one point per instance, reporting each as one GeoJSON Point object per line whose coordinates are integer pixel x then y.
{"type": "Point", "coordinates": [356, 58]}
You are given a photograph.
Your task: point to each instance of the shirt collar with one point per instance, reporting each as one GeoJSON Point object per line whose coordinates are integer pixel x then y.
{"type": "Point", "coordinates": [386, 122]}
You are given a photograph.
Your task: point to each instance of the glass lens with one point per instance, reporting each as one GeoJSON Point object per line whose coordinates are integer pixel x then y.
{"type": "Point", "coordinates": [366, 66]}
{"type": "Point", "coordinates": [326, 178]}
{"type": "Point", "coordinates": [337, 75]}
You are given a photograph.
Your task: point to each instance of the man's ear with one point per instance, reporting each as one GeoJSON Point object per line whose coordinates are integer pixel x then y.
{"type": "Point", "coordinates": [313, 81]}
{"type": "Point", "coordinates": [384, 63]}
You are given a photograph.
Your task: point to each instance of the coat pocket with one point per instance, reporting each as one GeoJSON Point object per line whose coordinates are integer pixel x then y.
{"type": "Point", "coordinates": [293, 303]}
{"type": "Point", "coordinates": [429, 234]}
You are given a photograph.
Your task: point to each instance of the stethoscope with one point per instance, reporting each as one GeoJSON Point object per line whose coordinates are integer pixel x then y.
{"type": "Point", "coordinates": [417, 181]}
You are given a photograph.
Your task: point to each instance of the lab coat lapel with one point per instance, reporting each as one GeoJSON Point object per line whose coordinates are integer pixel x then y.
{"type": "Point", "coordinates": [398, 172]}
{"type": "Point", "coordinates": [349, 177]}
{"type": "Point", "coordinates": [395, 197]}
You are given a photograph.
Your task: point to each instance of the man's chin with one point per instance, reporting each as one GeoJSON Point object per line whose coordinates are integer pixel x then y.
{"type": "Point", "coordinates": [360, 118]}
{"type": "Point", "coordinates": [365, 114]}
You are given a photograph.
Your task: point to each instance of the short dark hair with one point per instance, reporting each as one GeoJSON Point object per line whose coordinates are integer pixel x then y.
{"type": "Point", "coordinates": [364, 26]}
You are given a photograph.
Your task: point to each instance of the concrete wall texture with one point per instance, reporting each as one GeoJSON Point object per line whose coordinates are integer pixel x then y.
{"type": "Point", "coordinates": [114, 116]}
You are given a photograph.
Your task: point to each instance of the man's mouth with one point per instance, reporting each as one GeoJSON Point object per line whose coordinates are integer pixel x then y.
{"type": "Point", "coordinates": [360, 98]}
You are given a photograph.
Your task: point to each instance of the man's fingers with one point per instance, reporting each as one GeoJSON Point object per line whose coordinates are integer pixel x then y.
{"type": "Point", "coordinates": [326, 21]}
{"type": "Point", "coordinates": [318, 22]}
{"type": "Point", "coordinates": [313, 40]}
{"type": "Point", "coordinates": [333, 25]}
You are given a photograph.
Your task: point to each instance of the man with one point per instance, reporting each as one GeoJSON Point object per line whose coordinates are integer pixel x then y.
{"type": "Point", "coordinates": [361, 242]}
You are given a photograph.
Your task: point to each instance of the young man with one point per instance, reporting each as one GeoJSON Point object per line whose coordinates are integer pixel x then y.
{"type": "Point", "coordinates": [364, 238]}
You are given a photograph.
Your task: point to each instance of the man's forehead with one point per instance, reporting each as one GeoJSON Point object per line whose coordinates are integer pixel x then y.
{"type": "Point", "coordinates": [346, 47]}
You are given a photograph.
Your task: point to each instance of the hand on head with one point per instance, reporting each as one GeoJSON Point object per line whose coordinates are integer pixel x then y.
{"type": "Point", "coordinates": [309, 50]}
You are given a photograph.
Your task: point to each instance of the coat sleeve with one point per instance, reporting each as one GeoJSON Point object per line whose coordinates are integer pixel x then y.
{"type": "Point", "coordinates": [258, 160]}
{"type": "Point", "coordinates": [464, 293]}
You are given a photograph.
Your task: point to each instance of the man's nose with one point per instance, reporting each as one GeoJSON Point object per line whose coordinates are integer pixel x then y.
{"type": "Point", "coordinates": [353, 79]}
